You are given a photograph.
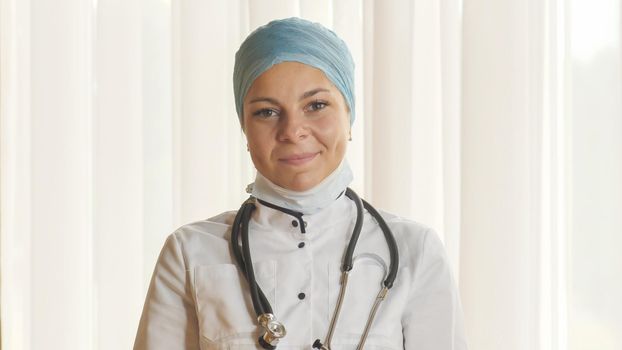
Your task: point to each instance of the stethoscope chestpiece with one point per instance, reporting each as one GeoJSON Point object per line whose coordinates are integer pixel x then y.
{"type": "Point", "coordinates": [274, 331]}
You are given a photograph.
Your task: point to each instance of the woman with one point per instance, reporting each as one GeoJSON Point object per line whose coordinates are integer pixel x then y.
{"type": "Point", "coordinates": [293, 86]}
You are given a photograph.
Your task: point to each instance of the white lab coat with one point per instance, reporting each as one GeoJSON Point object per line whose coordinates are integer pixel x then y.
{"type": "Point", "coordinates": [198, 299]}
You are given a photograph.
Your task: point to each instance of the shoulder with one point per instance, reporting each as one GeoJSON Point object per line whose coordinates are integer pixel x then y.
{"type": "Point", "coordinates": [214, 227]}
{"type": "Point", "coordinates": [407, 230]}
{"type": "Point", "coordinates": [204, 241]}
{"type": "Point", "coordinates": [406, 225]}
{"type": "Point", "coordinates": [416, 241]}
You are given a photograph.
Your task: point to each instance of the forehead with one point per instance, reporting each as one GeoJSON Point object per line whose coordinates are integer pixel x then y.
{"type": "Point", "coordinates": [288, 78]}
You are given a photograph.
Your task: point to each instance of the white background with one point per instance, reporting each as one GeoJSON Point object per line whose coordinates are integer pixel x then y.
{"type": "Point", "coordinates": [498, 123]}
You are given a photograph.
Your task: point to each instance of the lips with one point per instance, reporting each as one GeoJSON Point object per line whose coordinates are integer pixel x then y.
{"type": "Point", "coordinates": [298, 159]}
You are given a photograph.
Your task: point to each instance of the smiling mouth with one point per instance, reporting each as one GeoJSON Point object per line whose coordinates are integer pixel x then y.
{"type": "Point", "coordinates": [299, 159]}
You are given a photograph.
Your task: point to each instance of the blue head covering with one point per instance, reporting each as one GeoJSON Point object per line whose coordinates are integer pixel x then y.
{"type": "Point", "coordinates": [298, 40]}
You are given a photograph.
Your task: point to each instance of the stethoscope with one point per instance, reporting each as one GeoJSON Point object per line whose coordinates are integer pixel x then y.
{"type": "Point", "coordinates": [273, 329]}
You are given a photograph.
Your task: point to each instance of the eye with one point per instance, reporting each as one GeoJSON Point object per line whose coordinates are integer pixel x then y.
{"type": "Point", "coordinates": [265, 113]}
{"type": "Point", "coordinates": [316, 106]}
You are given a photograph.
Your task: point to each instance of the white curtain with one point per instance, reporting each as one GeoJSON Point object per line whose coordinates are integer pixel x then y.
{"type": "Point", "coordinates": [542, 174]}
{"type": "Point", "coordinates": [117, 125]}
{"type": "Point", "coordinates": [595, 185]}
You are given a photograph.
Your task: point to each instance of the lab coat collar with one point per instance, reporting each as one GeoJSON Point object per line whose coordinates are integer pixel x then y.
{"type": "Point", "coordinates": [270, 219]}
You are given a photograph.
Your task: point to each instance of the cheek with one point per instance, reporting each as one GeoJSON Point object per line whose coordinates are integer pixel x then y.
{"type": "Point", "coordinates": [260, 159]}
{"type": "Point", "coordinates": [261, 145]}
{"type": "Point", "coordinates": [257, 149]}
{"type": "Point", "coordinates": [255, 135]}
{"type": "Point", "coordinates": [333, 133]}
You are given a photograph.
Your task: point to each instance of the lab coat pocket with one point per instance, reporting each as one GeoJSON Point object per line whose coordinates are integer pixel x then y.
{"type": "Point", "coordinates": [224, 307]}
{"type": "Point", "coordinates": [364, 284]}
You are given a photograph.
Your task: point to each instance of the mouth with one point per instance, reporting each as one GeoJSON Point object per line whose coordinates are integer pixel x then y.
{"type": "Point", "coordinates": [298, 159]}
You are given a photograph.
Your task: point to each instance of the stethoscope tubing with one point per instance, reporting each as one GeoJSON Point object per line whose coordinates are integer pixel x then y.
{"type": "Point", "coordinates": [392, 244]}
{"type": "Point", "coordinates": [348, 265]}
{"type": "Point", "coordinates": [261, 304]}
{"type": "Point", "coordinates": [356, 232]}
{"type": "Point", "coordinates": [244, 260]}
{"type": "Point", "coordinates": [390, 238]}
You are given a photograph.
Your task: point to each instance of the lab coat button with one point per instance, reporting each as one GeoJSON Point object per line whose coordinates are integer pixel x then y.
{"type": "Point", "coordinates": [301, 244]}
{"type": "Point", "coordinates": [301, 296]}
{"type": "Point", "coordinates": [294, 223]}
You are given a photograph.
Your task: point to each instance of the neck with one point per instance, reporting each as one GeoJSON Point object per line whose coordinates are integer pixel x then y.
{"type": "Point", "coordinates": [307, 202]}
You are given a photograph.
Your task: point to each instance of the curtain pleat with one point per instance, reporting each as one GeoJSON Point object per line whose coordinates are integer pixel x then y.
{"type": "Point", "coordinates": [118, 125]}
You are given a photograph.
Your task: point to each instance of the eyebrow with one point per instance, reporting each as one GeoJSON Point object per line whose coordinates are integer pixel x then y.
{"type": "Point", "coordinates": [313, 92]}
{"type": "Point", "coordinates": [305, 95]}
{"type": "Point", "coordinates": [264, 99]}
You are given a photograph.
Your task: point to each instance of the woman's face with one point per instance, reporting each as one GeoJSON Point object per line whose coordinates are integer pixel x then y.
{"type": "Point", "coordinates": [297, 125]}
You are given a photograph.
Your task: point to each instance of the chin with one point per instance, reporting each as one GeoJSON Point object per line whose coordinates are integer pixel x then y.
{"type": "Point", "coordinates": [301, 185]}
{"type": "Point", "coordinates": [300, 188]}
{"type": "Point", "coordinates": [297, 186]}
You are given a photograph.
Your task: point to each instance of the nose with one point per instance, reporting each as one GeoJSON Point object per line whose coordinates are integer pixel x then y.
{"type": "Point", "coordinates": [293, 128]}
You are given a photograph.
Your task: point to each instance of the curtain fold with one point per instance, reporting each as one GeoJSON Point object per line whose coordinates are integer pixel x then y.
{"type": "Point", "coordinates": [499, 246]}
{"type": "Point", "coordinates": [130, 132]}
{"type": "Point", "coordinates": [117, 125]}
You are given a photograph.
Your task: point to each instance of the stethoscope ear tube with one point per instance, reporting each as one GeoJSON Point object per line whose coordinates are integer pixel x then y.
{"type": "Point", "coordinates": [348, 264]}
{"type": "Point", "coordinates": [392, 244]}
{"type": "Point", "coordinates": [347, 259]}
{"type": "Point", "coordinates": [393, 251]}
